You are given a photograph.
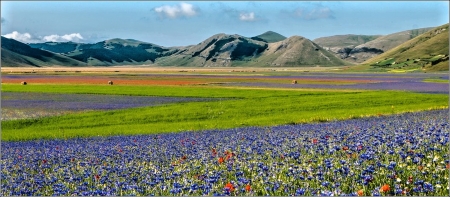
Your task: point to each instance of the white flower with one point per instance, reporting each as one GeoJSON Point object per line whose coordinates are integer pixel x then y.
{"type": "Point", "coordinates": [435, 158]}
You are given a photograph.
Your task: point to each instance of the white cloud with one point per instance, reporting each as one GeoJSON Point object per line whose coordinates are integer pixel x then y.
{"type": "Point", "coordinates": [315, 13]}
{"type": "Point", "coordinates": [247, 16]}
{"type": "Point", "coordinates": [29, 38]}
{"type": "Point", "coordinates": [74, 37]}
{"type": "Point", "coordinates": [25, 37]}
{"type": "Point", "coordinates": [183, 9]}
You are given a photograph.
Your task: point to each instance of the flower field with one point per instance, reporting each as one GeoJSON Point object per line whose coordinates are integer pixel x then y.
{"type": "Point", "coordinates": [229, 133]}
{"type": "Point", "coordinates": [19, 105]}
{"type": "Point", "coordinates": [404, 154]}
{"type": "Point", "coordinates": [408, 82]}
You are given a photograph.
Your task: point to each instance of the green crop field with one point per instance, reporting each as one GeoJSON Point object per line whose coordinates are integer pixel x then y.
{"type": "Point", "coordinates": [237, 107]}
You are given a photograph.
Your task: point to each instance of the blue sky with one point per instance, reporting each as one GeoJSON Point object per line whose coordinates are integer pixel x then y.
{"type": "Point", "coordinates": [174, 23]}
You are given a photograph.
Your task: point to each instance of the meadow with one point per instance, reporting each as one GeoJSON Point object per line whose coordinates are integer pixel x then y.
{"type": "Point", "coordinates": [222, 133]}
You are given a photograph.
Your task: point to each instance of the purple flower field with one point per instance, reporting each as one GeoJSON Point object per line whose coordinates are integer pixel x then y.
{"type": "Point", "coordinates": [403, 154]}
{"type": "Point", "coordinates": [18, 105]}
{"type": "Point", "coordinates": [407, 82]}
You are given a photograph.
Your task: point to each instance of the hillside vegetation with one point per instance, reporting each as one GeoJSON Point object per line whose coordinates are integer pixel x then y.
{"type": "Point", "coordinates": [428, 51]}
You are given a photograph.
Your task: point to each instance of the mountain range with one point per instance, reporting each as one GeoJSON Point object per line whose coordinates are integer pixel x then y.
{"type": "Point", "coordinates": [269, 49]}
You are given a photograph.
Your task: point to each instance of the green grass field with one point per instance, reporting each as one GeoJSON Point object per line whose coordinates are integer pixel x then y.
{"type": "Point", "coordinates": [239, 107]}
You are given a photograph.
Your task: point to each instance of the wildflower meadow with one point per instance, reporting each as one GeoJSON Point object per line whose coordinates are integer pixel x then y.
{"type": "Point", "coordinates": [223, 140]}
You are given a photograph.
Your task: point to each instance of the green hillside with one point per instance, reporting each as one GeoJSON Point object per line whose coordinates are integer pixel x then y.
{"type": "Point", "coordinates": [428, 51]}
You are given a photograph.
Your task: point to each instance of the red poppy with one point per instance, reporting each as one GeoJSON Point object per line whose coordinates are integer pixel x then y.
{"type": "Point", "coordinates": [385, 188]}
{"type": "Point", "coordinates": [448, 166]}
{"type": "Point", "coordinates": [220, 160]}
{"type": "Point", "coordinates": [420, 167]}
{"type": "Point", "coordinates": [360, 192]}
{"type": "Point", "coordinates": [97, 177]}
{"type": "Point", "coordinates": [410, 179]}
{"type": "Point", "coordinates": [44, 161]}
{"type": "Point", "coordinates": [248, 187]}
{"type": "Point", "coordinates": [314, 141]}
{"type": "Point", "coordinates": [229, 155]}
{"type": "Point", "coordinates": [229, 186]}
{"type": "Point", "coordinates": [345, 148]}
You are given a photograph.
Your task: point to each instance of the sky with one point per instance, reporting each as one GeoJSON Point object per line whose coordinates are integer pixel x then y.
{"type": "Point", "coordinates": [182, 23]}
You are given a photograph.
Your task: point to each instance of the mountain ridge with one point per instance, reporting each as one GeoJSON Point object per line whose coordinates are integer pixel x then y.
{"type": "Point", "coordinates": [17, 54]}
{"type": "Point", "coordinates": [219, 50]}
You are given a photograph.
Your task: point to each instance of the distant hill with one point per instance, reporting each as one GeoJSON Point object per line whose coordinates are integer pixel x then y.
{"type": "Point", "coordinates": [109, 52]}
{"type": "Point", "coordinates": [269, 37]}
{"type": "Point", "coordinates": [56, 47]}
{"type": "Point", "coordinates": [342, 45]}
{"type": "Point", "coordinates": [358, 48]}
{"type": "Point", "coordinates": [429, 51]}
{"type": "Point", "coordinates": [236, 50]}
{"type": "Point", "coordinates": [17, 54]}
{"type": "Point", "coordinates": [294, 51]}
{"type": "Point", "coordinates": [348, 40]}
{"type": "Point", "coordinates": [382, 44]}
{"type": "Point", "coordinates": [218, 50]}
